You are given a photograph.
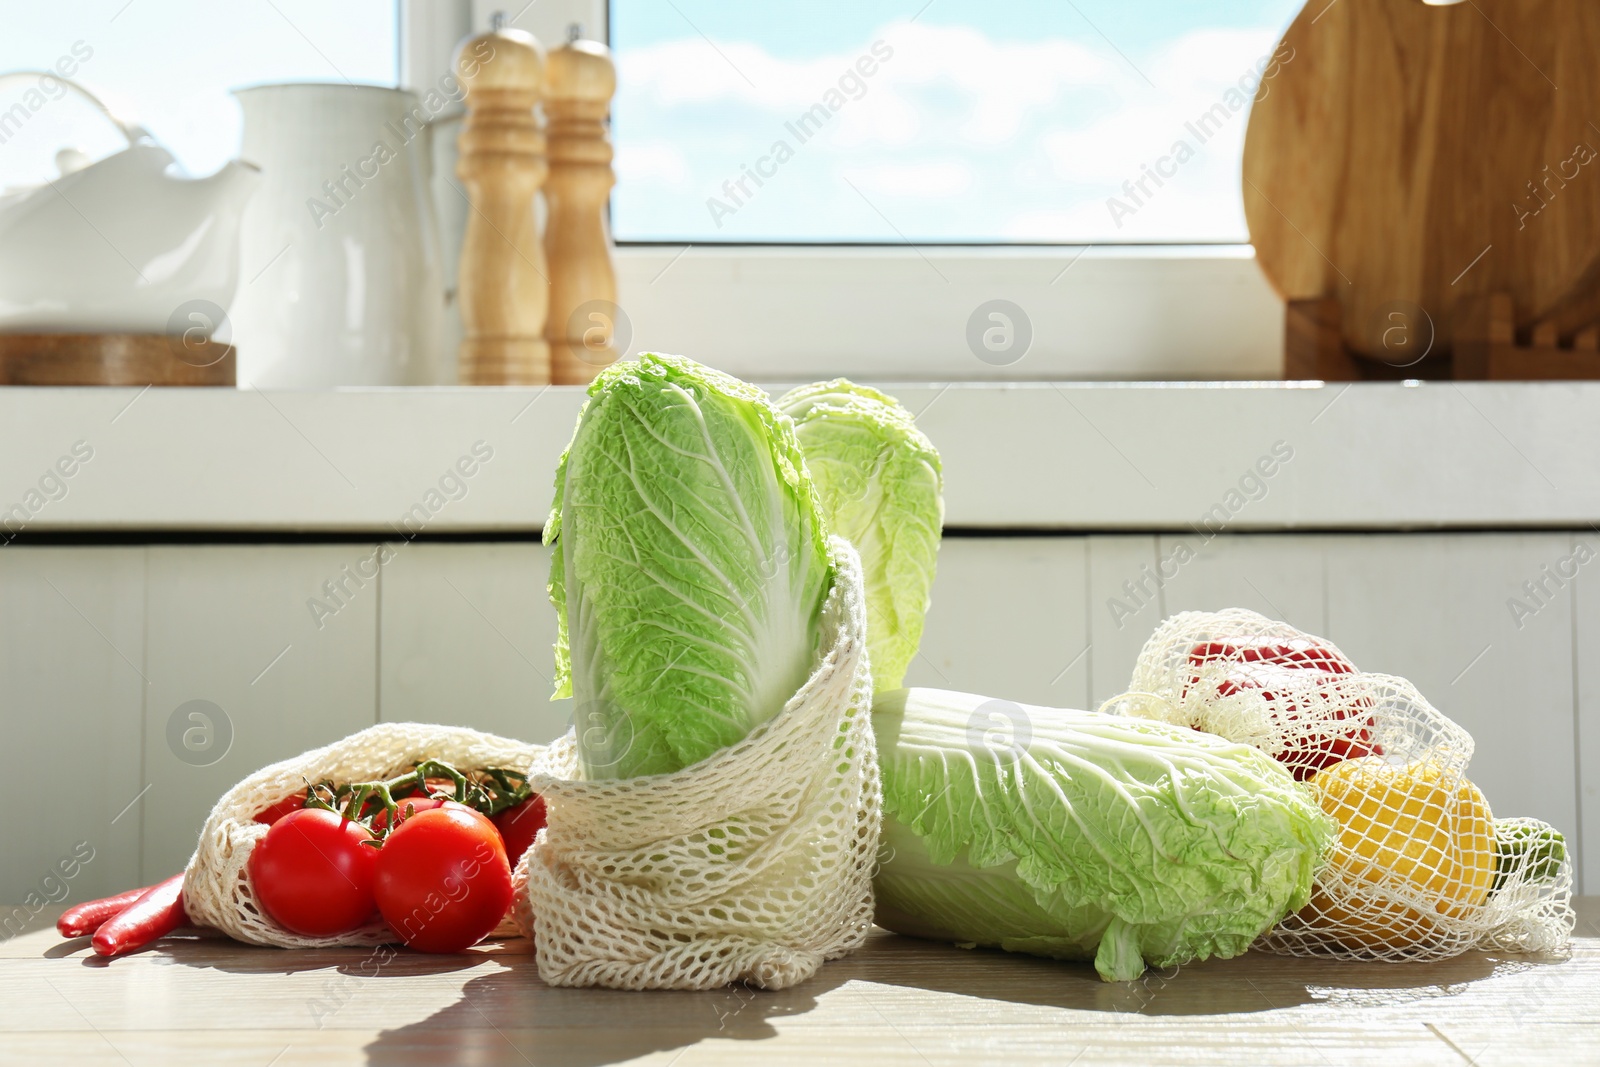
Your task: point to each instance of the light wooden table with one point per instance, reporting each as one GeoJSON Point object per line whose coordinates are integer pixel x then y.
{"type": "Point", "coordinates": [899, 1001]}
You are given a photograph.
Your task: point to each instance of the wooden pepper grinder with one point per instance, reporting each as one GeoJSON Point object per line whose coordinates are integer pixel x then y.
{"type": "Point", "coordinates": [503, 284]}
{"type": "Point", "coordinates": [587, 330]}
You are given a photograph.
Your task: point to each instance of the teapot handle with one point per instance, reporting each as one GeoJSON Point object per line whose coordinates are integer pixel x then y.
{"type": "Point", "coordinates": [133, 132]}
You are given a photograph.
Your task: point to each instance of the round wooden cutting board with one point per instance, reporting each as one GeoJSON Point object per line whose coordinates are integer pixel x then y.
{"type": "Point", "coordinates": [1415, 154]}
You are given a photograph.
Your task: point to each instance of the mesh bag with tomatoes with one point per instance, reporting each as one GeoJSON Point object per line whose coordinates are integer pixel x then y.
{"type": "Point", "coordinates": [272, 868]}
{"type": "Point", "coordinates": [1420, 868]}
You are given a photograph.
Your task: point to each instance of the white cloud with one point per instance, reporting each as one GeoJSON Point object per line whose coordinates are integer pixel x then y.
{"type": "Point", "coordinates": [954, 134]}
{"type": "Point", "coordinates": [647, 161]}
{"type": "Point", "coordinates": [1198, 70]}
{"type": "Point", "coordinates": [931, 179]}
{"type": "Point", "coordinates": [998, 82]}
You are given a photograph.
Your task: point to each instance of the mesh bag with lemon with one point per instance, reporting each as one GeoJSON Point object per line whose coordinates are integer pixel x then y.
{"type": "Point", "coordinates": [1421, 868]}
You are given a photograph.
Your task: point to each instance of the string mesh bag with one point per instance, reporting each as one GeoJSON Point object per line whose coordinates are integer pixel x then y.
{"type": "Point", "coordinates": [217, 890]}
{"type": "Point", "coordinates": [753, 865]}
{"type": "Point", "coordinates": [1421, 869]}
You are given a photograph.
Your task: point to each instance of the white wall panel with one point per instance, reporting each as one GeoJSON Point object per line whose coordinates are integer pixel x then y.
{"type": "Point", "coordinates": [1008, 621]}
{"type": "Point", "coordinates": [71, 699]}
{"type": "Point", "coordinates": [1435, 609]}
{"type": "Point", "coordinates": [1586, 742]}
{"type": "Point", "coordinates": [467, 631]}
{"type": "Point", "coordinates": [235, 627]}
{"type": "Point", "coordinates": [1280, 576]}
{"type": "Point", "coordinates": [1124, 608]}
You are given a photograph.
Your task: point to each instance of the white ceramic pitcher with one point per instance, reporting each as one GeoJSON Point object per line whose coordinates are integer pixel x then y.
{"type": "Point", "coordinates": [340, 269]}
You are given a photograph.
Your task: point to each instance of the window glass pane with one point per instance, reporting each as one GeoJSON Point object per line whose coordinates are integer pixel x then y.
{"type": "Point", "coordinates": [966, 120]}
{"type": "Point", "coordinates": [168, 65]}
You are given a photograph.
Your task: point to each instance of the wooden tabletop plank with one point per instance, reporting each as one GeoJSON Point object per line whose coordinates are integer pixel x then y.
{"type": "Point", "coordinates": [898, 1001]}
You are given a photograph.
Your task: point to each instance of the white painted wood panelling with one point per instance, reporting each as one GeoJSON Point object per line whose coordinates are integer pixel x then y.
{"type": "Point", "coordinates": [466, 635]}
{"type": "Point", "coordinates": [1586, 652]}
{"type": "Point", "coordinates": [1124, 608]}
{"type": "Point", "coordinates": [97, 663]}
{"type": "Point", "coordinates": [1434, 609]}
{"type": "Point", "coordinates": [1007, 621]}
{"type": "Point", "coordinates": [231, 625]}
{"type": "Point", "coordinates": [1280, 576]}
{"type": "Point", "coordinates": [71, 700]}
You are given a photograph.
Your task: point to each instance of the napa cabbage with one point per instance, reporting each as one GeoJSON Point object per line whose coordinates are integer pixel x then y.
{"type": "Point", "coordinates": [689, 566]}
{"type": "Point", "coordinates": [881, 486]}
{"type": "Point", "coordinates": [1080, 835]}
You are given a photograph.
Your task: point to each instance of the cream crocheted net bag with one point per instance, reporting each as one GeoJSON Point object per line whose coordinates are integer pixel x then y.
{"type": "Point", "coordinates": [753, 865]}
{"type": "Point", "coordinates": [216, 888]}
{"type": "Point", "coordinates": [1372, 899]}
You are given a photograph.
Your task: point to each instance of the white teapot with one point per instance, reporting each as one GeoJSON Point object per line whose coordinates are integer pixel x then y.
{"type": "Point", "coordinates": [122, 244]}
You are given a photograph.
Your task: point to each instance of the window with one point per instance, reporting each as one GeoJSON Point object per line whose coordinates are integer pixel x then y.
{"type": "Point", "coordinates": [1018, 125]}
{"type": "Point", "coordinates": [168, 65]}
{"type": "Point", "coordinates": [1031, 121]}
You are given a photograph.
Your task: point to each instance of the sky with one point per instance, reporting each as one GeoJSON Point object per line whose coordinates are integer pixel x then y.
{"type": "Point", "coordinates": [980, 120]}
{"type": "Point", "coordinates": [984, 122]}
{"type": "Point", "coordinates": [168, 64]}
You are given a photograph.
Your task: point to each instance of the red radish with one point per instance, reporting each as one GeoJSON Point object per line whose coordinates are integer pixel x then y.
{"type": "Point", "coordinates": [157, 912]}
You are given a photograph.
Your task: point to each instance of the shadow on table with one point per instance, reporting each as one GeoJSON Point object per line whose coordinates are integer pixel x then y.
{"type": "Point", "coordinates": [510, 1016]}
{"type": "Point", "coordinates": [212, 950]}
{"type": "Point", "coordinates": [1259, 983]}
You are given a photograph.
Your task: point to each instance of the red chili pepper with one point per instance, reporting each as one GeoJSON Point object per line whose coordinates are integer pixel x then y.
{"type": "Point", "coordinates": [81, 920]}
{"type": "Point", "coordinates": [156, 913]}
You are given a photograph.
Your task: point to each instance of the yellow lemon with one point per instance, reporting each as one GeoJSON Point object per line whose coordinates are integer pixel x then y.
{"type": "Point", "coordinates": [1414, 841]}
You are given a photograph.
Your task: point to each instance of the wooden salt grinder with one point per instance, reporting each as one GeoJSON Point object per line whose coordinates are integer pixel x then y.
{"type": "Point", "coordinates": [579, 82]}
{"type": "Point", "coordinates": [503, 285]}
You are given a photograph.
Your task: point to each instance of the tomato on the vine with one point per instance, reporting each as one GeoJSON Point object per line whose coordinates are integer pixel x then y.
{"type": "Point", "coordinates": [313, 873]}
{"type": "Point", "coordinates": [408, 807]}
{"type": "Point", "coordinates": [269, 815]}
{"type": "Point", "coordinates": [443, 881]}
{"type": "Point", "coordinates": [519, 825]}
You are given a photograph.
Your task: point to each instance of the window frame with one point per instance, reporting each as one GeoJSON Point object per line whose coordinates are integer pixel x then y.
{"type": "Point", "coordinates": [770, 311]}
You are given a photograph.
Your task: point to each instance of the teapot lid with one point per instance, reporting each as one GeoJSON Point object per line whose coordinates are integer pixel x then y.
{"type": "Point", "coordinates": [68, 159]}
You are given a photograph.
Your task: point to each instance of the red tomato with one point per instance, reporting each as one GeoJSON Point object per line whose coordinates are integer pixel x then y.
{"type": "Point", "coordinates": [313, 875]}
{"type": "Point", "coordinates": [414, 804]}
{"type": "Point", "coordinates": [518, 826]}
{"type": "Point", "coordinates": [443, 881]}
{"type": "Point", "coordinates": [270, 815]}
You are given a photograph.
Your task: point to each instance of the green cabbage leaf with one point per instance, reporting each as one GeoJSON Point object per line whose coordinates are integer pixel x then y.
{"type": "Point", "coordinates": [1079, 835]}
{"type": "Point", "coordinates": [689, 567]}
{"type": "Point", "coordinates": [881, 486]}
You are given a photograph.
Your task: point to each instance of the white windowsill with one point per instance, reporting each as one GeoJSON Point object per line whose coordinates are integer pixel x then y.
{"type": "Point", "coordinates": [1026, 456]}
